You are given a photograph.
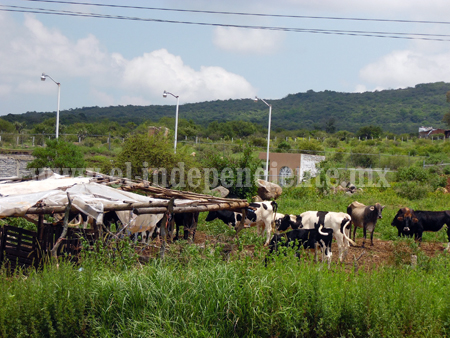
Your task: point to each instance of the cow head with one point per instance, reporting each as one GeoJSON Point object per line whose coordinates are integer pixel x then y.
{"type": "Point", "coordinates": [286, 222]}
{"type": "Point", "coordinates": [405, 220]}
{"type": "Point", "coordinates": [378, 209]}
{"type": "Point", "coordinates": [212, 215]}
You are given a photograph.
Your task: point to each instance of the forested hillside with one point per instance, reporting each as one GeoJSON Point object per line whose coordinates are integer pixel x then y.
{"type": "Point", "coordinates": [398, 111]}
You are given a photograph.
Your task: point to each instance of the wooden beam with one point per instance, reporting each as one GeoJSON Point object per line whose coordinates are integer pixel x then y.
{"type": "Point", "coordinates": [198, 208]}
{"type": "Point", "coordinates": [148, 208]}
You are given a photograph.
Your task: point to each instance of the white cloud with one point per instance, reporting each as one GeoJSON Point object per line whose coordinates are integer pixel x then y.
{"type": "Point", "coordinates": [32, 48]}
{"type": "Point", "coordinates": [386, 8]}
{"type": "Point", "coordinates": [405, 68]}
{"type": "Point", "coordinates": [103, 98]}
{"type": "Point", "coordinates": [160, 70]}
{"type": "Point", "coordinates": [247, 40]}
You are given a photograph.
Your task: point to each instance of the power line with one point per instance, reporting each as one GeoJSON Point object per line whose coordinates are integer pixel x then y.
{"type": "Point", "coordinates": [392, 35]}
{"type": "Point", "coordinates": [243, 13]}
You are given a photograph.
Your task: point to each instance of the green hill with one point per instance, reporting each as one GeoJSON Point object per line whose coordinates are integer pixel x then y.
{"type": "Point", "coordinates": [398, 111]}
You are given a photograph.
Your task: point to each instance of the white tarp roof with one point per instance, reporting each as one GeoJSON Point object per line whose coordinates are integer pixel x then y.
{"type": "Point", "coordinates": [28, 187]}
{"type": "Point", "coordinates": [88, 197]}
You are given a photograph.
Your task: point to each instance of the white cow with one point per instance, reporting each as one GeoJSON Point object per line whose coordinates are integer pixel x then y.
{"type": "Point", "coordinates": [337, 221]}
{"type": "Point", "coordinates": [135, 224]}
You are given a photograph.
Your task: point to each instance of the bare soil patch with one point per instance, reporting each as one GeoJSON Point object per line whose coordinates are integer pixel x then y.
{"type": "Point", "coordinates": [382, 253]}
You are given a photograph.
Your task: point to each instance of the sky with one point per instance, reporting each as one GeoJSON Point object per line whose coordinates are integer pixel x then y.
{"type": "Point", "coordinates": [108, 61]}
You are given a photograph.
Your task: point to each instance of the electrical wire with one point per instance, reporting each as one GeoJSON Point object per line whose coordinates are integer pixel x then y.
{"type": "Point", "coordinates": [242, 13]}
{"type": "Point", "coordinates": [392, 35]}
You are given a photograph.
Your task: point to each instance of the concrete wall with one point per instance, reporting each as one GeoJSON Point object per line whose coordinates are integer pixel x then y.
{"type": "Point", "coordinates": [14, 165]}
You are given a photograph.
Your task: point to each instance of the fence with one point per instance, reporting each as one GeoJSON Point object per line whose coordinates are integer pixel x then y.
{"type": "Point", "coordinates": [23, 248]}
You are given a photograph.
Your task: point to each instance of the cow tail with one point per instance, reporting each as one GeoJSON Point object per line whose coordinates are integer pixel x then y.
{"type": "Point", "coordinates": [349, 221]}
{"type": "Point", "coordinates": [322, 233]}
{"type": "Point", "coordinates": [274, 207]}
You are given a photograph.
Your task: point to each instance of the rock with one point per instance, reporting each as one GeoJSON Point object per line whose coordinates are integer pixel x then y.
{"type": "Point", "coordinates": [220, 191]}
{"type": "Point", "coordinates": [268, 190]}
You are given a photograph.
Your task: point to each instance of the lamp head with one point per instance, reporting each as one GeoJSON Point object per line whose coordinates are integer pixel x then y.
{"type": "Point", "coordinates": [43, 77]}
{"type": "Point", "coordinates": [165, 94]}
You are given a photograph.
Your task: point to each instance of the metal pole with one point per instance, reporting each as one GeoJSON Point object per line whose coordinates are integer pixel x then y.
{"type": "Point", "coordinates": [268, 137]}
{"type": "Point", "coordinates": [176, 126]}
{"type": "Point", "coordinates": [57, 112]}
{"type": "Point", "coordinates": [268, 143]}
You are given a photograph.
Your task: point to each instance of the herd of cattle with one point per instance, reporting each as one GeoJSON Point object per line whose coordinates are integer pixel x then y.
{"type": "Point", "coordinates": [316, 229]}
{"type": "Point", "coordinates": [310, 230]}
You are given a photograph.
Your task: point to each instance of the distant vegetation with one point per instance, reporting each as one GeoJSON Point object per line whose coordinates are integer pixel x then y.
{"type": "Point", "coordinates": [397, 111]}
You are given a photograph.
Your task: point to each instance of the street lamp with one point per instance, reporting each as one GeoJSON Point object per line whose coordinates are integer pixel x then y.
{"type": "Point", "coordinates": [43, 77]}
{"type": "Point", "coordinates": [176, 119]}
{"type": "Point", "coordinates": [268, 135]}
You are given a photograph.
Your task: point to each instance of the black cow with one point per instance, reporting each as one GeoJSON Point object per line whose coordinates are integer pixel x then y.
{"type": "Point", "coordinates": [230, 218]}
{"type": "Point", "coordinates": [285, 222]}
{"type": "Point", "coordinates": [411, 222]}
{"type": "Point", "coordinates": [259, 214]}
{"type": "Point", "coordinates": [306, 238]}
{"type": "Point", "coordinates": [189, 221]}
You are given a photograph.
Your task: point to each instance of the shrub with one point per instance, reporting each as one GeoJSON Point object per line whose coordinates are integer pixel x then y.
{"type": "Point", "coordinates": [152, 158]}
{"type": "Point", "coordinates": [240, 177]}
{"type": "Point", "coordinates": [363, 156]}
{"type": "Point", "coordinates": [283, 146]}
{"type": "Point", "coordinates": [58, 154]}
{"type": "Point", "coordinates": [413, 190]}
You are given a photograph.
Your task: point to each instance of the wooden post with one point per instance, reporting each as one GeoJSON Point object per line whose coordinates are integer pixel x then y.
{"type": "Point", "coordinates": [241, 223]}
{"type": "Point", "coordinates": [355, 261]}
{"type": "Point", "coordinates": [164, 223]}
{"type": "Point", "coordinates": [413, 261]}
{"type": "Point", "coordinates": [54, 250]}
{"type": "Point", "coordinates": [40, 227]}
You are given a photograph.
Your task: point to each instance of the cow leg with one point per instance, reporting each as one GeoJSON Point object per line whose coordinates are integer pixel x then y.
{"type": "Point", "coordinates": [371, 238]}
{"type": "Point", "coordinates": [448, 238]}
{"type": "Point", "coordinates": [329, 254]}
{"type": "Point", "coordinates": [340, 242]}
{"type": "Point", "coordinates": [268, 228]}
{"type": "Point", "coordinates": [364, 235]}
{"type": "Point", "coordinates": [354, 231]}
{"type": "Point", "coordinates": [316, 248]}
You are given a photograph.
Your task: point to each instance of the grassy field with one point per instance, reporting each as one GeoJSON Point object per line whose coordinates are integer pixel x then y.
{"type": "Point", "coordinates": [197, 292]}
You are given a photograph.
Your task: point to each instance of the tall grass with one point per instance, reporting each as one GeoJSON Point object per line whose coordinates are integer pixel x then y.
{"type": "Point", "coordinates": [242, 298]}
{"type": "Point", "coordinates": [198, 292]}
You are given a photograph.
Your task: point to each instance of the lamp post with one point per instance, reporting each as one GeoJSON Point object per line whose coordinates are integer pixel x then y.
{"type": "Point", "coordinates": [176, 119]}
{"type": "Point", "coordinates": [43, 77]}
{"type": "Point", "coordinates": [268, 136]}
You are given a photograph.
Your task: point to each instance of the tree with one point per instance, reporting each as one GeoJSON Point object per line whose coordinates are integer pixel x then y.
{"type": "Point", "coordinates": [6, 126]}
{"type": "Point", "coordinates": [19, 126]}
{"type": "Point", "coordinates": [330, 126]}
{"type": "Point", "coordinates": [446, 117]}
{"type": "Point", "coordinates": [153, 159]}
{"type": "Point", "coordinates": [236, 174]}
{"type": "Point", "coordinates": [58, 155]}
{"type": "Point", "coordinates": [369, 132]}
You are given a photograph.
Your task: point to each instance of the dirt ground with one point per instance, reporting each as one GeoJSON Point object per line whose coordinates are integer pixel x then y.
{"type": "Point", "coordinates": [370, 257]}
